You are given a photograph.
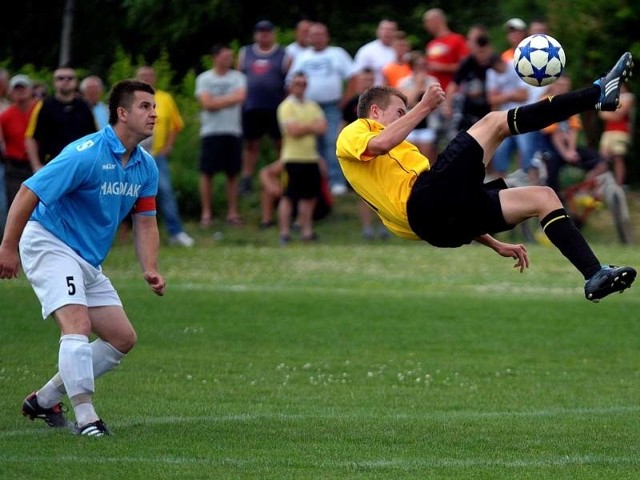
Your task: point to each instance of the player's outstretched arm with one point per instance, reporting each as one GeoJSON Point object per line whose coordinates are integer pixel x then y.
{"type": "Point", "coordinates": [510, 250]}
{"type": "Point", "coordinates": [147, 241]}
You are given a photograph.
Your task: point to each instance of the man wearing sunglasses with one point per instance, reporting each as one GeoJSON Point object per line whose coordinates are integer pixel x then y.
{"type": "Point", "coordinates": [58, 120]}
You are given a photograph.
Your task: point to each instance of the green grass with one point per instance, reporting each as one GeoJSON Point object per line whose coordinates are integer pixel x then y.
{"type": "Point", "coordinates": [343, 361]}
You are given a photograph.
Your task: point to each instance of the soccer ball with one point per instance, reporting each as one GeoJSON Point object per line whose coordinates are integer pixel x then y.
{"type": "Point", "coordinates": [539, 60]}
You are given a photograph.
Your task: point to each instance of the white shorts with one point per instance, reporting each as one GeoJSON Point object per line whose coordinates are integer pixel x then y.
{"type": "Point", "coordinates": [422, 135]}
{"type": "Point", "coordinates": [59, 276]}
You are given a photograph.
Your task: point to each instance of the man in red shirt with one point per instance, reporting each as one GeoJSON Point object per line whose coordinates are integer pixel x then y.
{"type": "Point", "coordinates": [13, 124]}
{"type": "Point", "coordinates": [443, 53]}
{"type": "Point", "coordinates": [446, 50]}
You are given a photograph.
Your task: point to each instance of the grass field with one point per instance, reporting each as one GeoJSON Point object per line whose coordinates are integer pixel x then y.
{"type": "Point", "coordinates": [343, 360]}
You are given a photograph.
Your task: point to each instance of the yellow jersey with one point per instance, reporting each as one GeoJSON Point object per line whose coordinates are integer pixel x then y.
{"type": "Point", "coordinates": [169, 119]}
{"type": "Point", "coordinates": [383, 181]}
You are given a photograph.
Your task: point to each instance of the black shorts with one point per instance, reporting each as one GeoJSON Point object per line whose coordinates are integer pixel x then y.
{"type": "Point", "coordinates": [303, 180]}
{"type": "Point", "coordinates": [221, 153]}
{"type": "Point", "coordinates": [260, 122]}
{"type": "Point", "coordinates": [450, 204]}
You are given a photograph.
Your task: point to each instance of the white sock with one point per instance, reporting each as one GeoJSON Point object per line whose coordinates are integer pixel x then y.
{"type": "Point", "coordinates": [85, 413]}
{"type": "Point", "coordinates": [76, 365]}
{"type": "Point", "coordinates": [104, 357]}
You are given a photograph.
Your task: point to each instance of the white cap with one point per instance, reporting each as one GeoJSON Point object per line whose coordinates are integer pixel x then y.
{"type": "Point", "coordinates": [19, 80]}
{"type": "Point", "coordinates": [515, 24]}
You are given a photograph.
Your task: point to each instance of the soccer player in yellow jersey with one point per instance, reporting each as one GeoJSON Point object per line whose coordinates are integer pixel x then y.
{"type": "Point", "coordinates": [450, 205]}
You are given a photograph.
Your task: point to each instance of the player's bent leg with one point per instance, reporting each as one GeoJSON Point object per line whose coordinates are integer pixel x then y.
{"type": "Point", "coordinates": [489, 132]}
{"type": "Point", "coordinates": [520, 203]}
{"type": "Point", "coordinates": [112, 325]}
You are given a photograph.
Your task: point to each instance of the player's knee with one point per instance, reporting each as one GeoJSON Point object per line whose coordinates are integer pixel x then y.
{"type": "Point", "coordinates": [125, 341]}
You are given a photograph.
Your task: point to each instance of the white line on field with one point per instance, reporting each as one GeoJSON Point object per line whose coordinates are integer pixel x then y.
{"type": "Point", "coordinates": [343, 415]}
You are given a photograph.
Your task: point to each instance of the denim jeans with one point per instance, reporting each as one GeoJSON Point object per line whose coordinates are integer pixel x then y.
{"type": "Point", "coordinates": [327, 143]}
{"type": "Point", "coordinates": [167, 204]}
{"type": "Point", "coordinates": [525, 144]}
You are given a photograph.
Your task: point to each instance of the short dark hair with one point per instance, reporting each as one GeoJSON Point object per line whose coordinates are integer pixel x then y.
{"type": "Point", "coordinates": [122, 95]}
{"type": "Point", "coordinates": [380, 95]}
{"type": "Point", "coordinates": [218, 47]}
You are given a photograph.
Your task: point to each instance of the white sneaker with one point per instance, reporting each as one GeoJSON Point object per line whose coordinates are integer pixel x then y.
{"type": "Point", "coordinates": [181, 240]}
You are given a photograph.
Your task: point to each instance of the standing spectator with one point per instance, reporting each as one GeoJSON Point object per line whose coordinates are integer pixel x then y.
{"type": "Point", "coordinates": [4, 104]}
{"type": "Point", "coordinates": [160, 145]}
{"type": "Point", "coordinates": [516, 32]}
{"type": "Point", "coordinates": [444, 53]}
{"type": "Point", "coordinates": [327, 68]}
{"type": "Point", "coordinates": [63, 221]}
{"type": "Point", "coordinates": [507, 91]}
{"type": "Point", "coordinates": [446, 49]}
{"type": "Point", "coordinates": [616, 137]}
{"type": "Point", "coordinates": [220, 92]}
{"type": "Point", "coordinates": [379, 52]}
{"type": "Point", "coordinates": [4, 89]}
{"type": "Point", "coordinates": [301, 42]}
{"type": "Point", "coordinates": [538, 25]}
{"type": "Point", "coordinates": [414, 86]}
{"type": "Point", "coordinates": [301, 121]}
{"type": "Point", "coordinates": [58, 120]}
{"type": "Point", "coordinates": [13, 124]}
{"type": "Point", "coordinates": [400, 67]}
{"type": "Point", "coordinates": [265, 64]}
{"type": "Point", "coordinates": [92, 90]}
{"type": "Point", "coordinates": [466, 101]}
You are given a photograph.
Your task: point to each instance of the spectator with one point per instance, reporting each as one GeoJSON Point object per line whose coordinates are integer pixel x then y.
{"type": "Point", "coordinates": [4, 89]}
{"type": "Point", "coordinates": [466, 100]}
{"type": "Point", "coordinates": [220, 92]}
{"type": "Point", "coordinates": [301, 122]}
{"type": "Point", "coordinates": [400, 67]}
{"type": "Point", "coordinates": [516, 32]}
{"type": "Point", "coordinates": [169, 123]}
{"type": "Point", "coordinates": [616, 137]}
{"type": "Point", "coordinates": [13, 124]}
{"type": "Point", "coordinates": [444, 53]}
{"type": "Point", "coordinates": [507, 91]}
{"type": "Point", "coordinates": [327, 68]}
{"type": "Point", "coordinates": [92, 90]}
{"type": "Point", "coordinates": [272, 180]}
{"type": "Point", "coordinates": [379, 52]}
{"type": "Point", "coordinates": [58, 120]}
{"type": "Point", "coordinates": [301, 42]}
{"type": "Point", "coordinates": [4, 104]}
{"type": "Point", "coordinates": [561, 147]}
{"type": "Point", "coordinates": [414, 86]}
{"type": "Point", "coordinates": [265, 64]}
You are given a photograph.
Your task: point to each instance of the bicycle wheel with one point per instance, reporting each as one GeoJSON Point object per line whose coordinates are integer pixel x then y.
{"type": "Point", "coordinates": [621, 219]}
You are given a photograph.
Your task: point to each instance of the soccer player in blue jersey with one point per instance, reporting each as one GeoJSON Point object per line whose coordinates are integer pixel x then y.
{"type": "Point", "coordinates": [61, 226]}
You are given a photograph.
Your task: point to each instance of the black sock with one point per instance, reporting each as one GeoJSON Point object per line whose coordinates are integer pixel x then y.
{"type": "Point", "coordinates": [536, 116]}
{"type": "Point", "coordinates": [563, 233]}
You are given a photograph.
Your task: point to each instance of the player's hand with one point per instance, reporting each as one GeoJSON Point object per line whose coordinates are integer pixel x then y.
{"type": "Point", "coordinates": [515, 251]}
{"type": "Point", "coordinates": [434, 96]}
{"type": "Point", "coordinates": [9, 263]}
{"type": "Point", "coordinates": [155, 281]}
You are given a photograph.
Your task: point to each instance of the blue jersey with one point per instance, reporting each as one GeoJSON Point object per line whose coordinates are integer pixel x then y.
{"type": "Point", "coordinates": [85, 192]}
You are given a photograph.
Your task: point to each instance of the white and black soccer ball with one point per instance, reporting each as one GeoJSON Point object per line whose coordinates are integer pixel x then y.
{"type": "Point", "coordinates": [539, 60]}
